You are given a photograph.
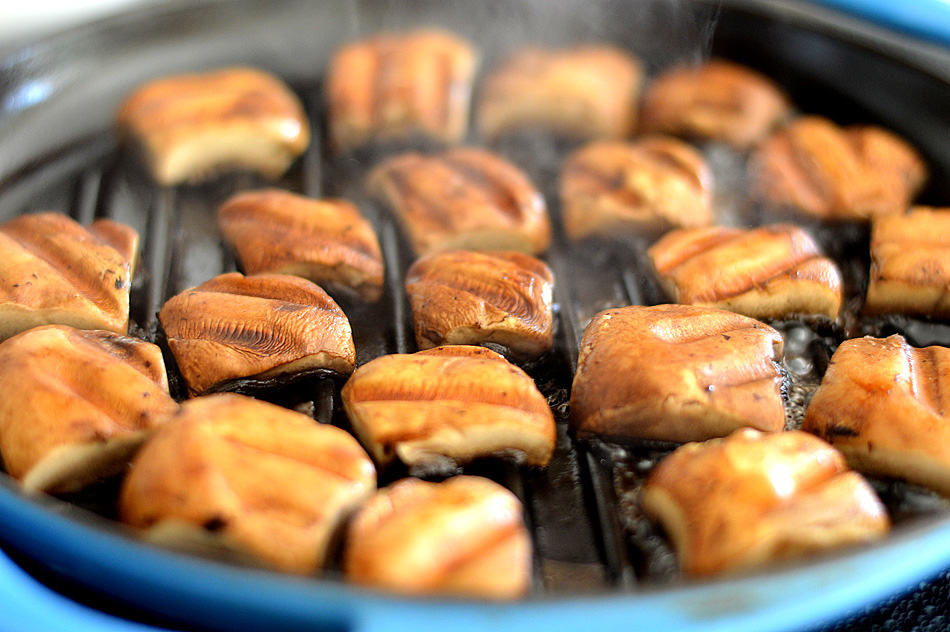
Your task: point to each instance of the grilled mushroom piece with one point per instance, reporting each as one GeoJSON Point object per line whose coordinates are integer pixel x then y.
{"type": "Point", "coordinates": [464, 198]}
{"type": "Point", "coordinates": [886, 406]}
{"type": "Point", "coordinates": [76, 404]}
{"type": "Point", "coordinates": [258, 326]}
{"type": "Point", "coordinates": [437, 409]}
{"type": "Point", "coordinates": [752, 498]}
{"type": "Point", "coordinates": [770, 272]}
{"type": "Point", "coordinates": [466, 297]}
{"type": "Point", "coordinates": [394, 86]}
{"type": "Point", "coordinates": [54, 271]}
{"type": "Point", "coordinates": [462, 537]}
{"type": "Point", "coordinates": [326, 241]}
{"type": "Point", "coordinates": [834, 173]}
{"type": "Point", "coordinates": [192, 126]}
{"type": "Point", "coordinates": [676, 373]}
{"type": "Point", "coordinates": [646, 187]}
{"type": "Point", "coordinates": [269, 481]}
{"type": "Point", "coordinates": [910, 263]}
{"type": "Point", "coordinates": [588, 91]}
{"type": "Point", "coordinates": [716, 100]}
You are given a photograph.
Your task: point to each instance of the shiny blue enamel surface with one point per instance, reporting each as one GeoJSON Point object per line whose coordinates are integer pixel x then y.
{"type": "Point", "coordinates": [923, 18]}
{"type": "Point", "coordinates": [225, 597]}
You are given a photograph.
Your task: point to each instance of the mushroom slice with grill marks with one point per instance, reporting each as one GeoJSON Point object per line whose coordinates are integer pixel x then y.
{"type": "Point", "coordinates": [465, 297]}
{"type": "Point", "coordinates": [462, 537]}
{"type": "Point", "coordinates": [612, 188]}
{"type": "Point", "coordinates": [886, 406]}
{"type": "Point", "coordinates": [76, 404]}
{"type": "Point", "coordinates": [752, 498]}
{"type": "Point", "coordinates": [259, 326]}
{"type": "Point", "coordinates": [194, 125]}
{"type": "Point", "coordinates": [54, 271]}
{"type": "Point", "coordinates": [326, 241]}
{"type": "Point", "coordinates": [834, 173]}
{"type": "Point", "coordinates": [393, 86]}
{"type": "Point", "coordinates": [446, 406]}
{"type": "Point", "coordinates": [268, 481]}
{"type": "Point", "coordinates": [910, 263]}
{"type": "Point", "coordinates": [770, 272]}
{"type": "Point", "coordinates": [464, 198]}
{"type": "Point", "coordinates": [676, 373]}
{"type": "Point", "coordinates": [587, 91]}
{"type": "Point", "coordinates": [717, 100]}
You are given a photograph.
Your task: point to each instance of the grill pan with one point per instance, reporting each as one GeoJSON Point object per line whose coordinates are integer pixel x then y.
{"type": "Point", "coordinates": [597, 559]}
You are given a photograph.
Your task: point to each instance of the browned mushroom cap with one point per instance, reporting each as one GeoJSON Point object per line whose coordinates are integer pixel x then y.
{"type": "Point", "coordinates": [326, 241]}
{"type": "Point", "coordinates": [852, 173]}
{"type": "Point", "coordinates": [676, 373]}
{"type": "Point", "coordinates": [752, 498]}
{"type": "Point", "coordinates": [768, 272]}
{"type": "Point", "coordinates": [612, 188]}
{"type": "Point", "coordinates": [397, 85]}
{"type": "Point", "coordinates": [271, 482]}
{"type": "Point", "coordinates": [194, 125]}
{"type": "Point", "coordinates": [75, 404]}
{"type": "Point", "coordinates": [462, 537]}
{"type": "Point", "coordinates": [446, 406]}
{"type": "Point", "coordinates": [582, 92]}
{"type": "Point", "coordinates": [257, 326]}
{"type": "Point", "coordinates": [886, 406]}
{"type": "Point", "coordinates": [465, 297]}
{"type": "Point", "coordinates": [54, 271]}
{"type": "Point", "coordinates": [910, 263]}
{"type": "Point", "coordinates": [465, 198]}
{"type": "Point", "coordinates": [717, 100]}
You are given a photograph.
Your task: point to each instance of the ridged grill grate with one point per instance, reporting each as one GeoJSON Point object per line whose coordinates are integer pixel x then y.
{"type": "Point", "coordinates": [589, 533]}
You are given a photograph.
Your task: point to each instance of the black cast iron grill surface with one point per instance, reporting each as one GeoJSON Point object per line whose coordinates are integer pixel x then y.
{"type": "Point", "coordinates": [588, 531]}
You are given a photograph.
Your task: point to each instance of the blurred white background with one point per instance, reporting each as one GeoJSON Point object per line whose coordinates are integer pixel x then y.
{"type": "Point", "coordinates": [24, 20]}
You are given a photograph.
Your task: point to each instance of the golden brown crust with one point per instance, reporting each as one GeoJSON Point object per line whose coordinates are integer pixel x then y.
{"type": "Point", "coordinates": [124, 239]}
{"type": "Point", "coordinates": [612, 188]}
{"type": "Point", "coordinates": [193, 125]}
{"type": "Point", "coordinates": [886, 406]}
{"type": "Point", "coordinates": [751, 498]}
{"type": "Point", "coordinates": [462, 537]}
{"type": "Point", "coordinates": [272, 482]}
{"type": "Point", "coordinates": [829, 172]}
{"type": "Point", "coordinates": [466, 297]}
{"type": "Point", "coordinates": [582, 92]}
{"type": "Point", "coordinates": [326, 241]}
{"type": "Point", "coordinates": [717, 373]}
{"type": "Point", "coordinates": [396, 85]}
{"type": "Point", "coordinates": [74, 404]}
{"type": "Point", "coordinates": [448, 406]}
{"type": "Point", "coordinates": [465, 198]}
{"type": "Point", "coordinates": [772, 271]}
{"type": "Point", "coordinates": [717, 100]}
{"type": "Point", "coordinates": [54, 271]}
{"type": "Point", "coordinates": [910, 263]}
{"type": "Point", "coordinates": [257, 326]}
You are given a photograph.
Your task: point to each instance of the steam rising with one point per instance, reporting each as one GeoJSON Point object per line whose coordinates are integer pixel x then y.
{"type": "Point", "coordinates": [660, 32]}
